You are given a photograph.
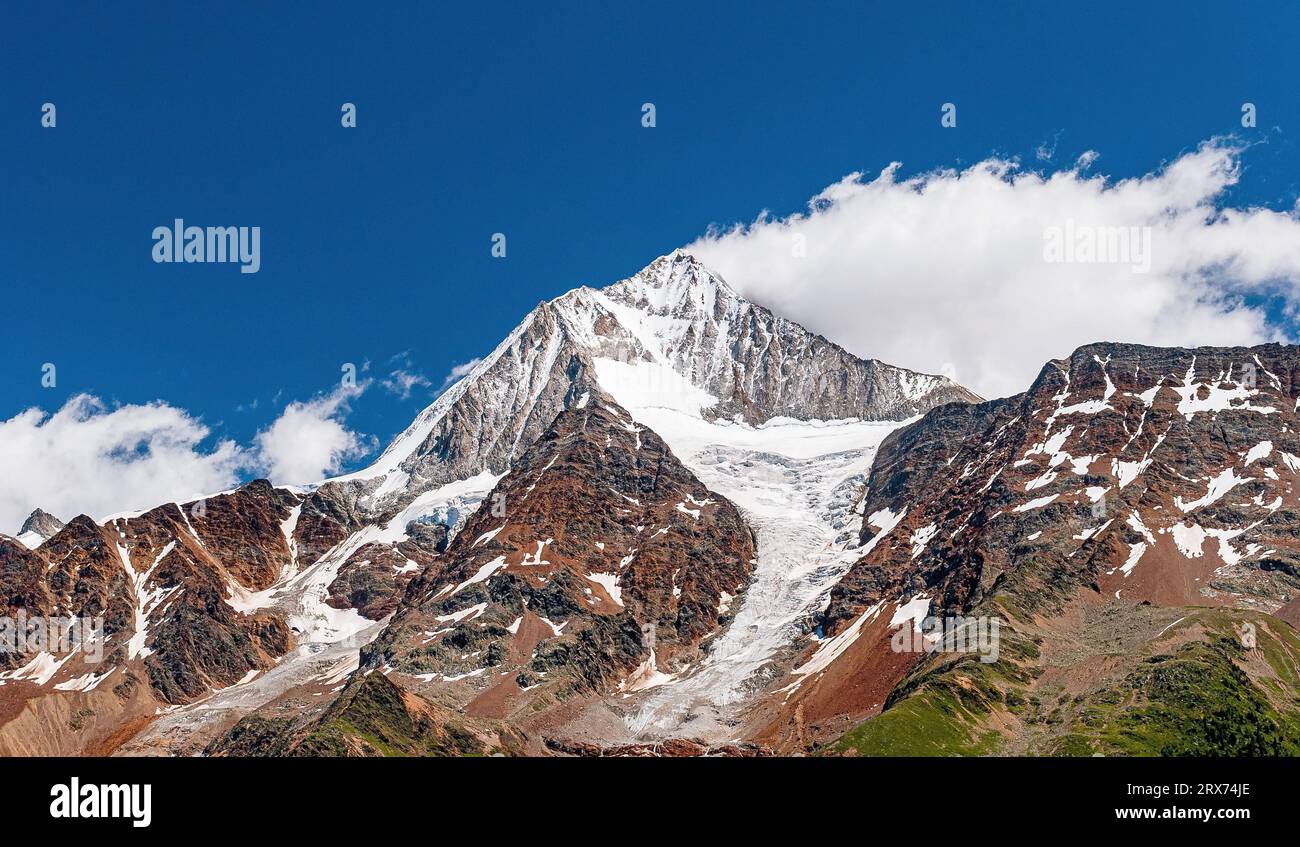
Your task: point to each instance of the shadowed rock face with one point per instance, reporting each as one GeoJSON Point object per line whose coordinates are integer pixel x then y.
{"type": "Point", "coordinates": [203, 644]}
{"type": "Point", "coordinates": [86, 577]}
{"type": "Point", "coordinates": [603, 553]}
{"type": "Point", "coordinates": [162, 582]}
{"type": "Point", "coordinates": [1163, 474]}
{"type": "Point", "coordinates": [373, 579]}
{"type": "Point", "coordinates": [241, 531]}
{"type": "Point", "coordinates": [22, 587]}
{"type": "Point", "coordinates": [329, 515]}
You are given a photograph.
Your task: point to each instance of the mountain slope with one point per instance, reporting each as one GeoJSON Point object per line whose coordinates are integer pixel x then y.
{"type": "Point", "coordinates": [161, 583]}
{"type": "Point", "coordinates": [1125, 475]}
{"type": "Point", "coordinates": [598, 564]}
{"type": "Point", "coordinates": [1103, 678]}
{"type": "Point", "coordinates": [372, 717]}
{"type": "Point", "coordinates": [664, 344]}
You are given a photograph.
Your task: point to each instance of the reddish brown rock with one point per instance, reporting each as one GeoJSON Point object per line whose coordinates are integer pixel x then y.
{"type": "Point", "coordinates": [597, 551]}
{"type": "Point", "coordinates": [1125, 473]}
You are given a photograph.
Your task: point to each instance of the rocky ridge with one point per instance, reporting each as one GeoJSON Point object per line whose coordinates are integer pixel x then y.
{"type": "Point", "coordinates": [1126, 475]}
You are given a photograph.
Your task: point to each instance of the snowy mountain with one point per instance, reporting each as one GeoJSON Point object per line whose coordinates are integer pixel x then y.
{"type": "Point", "coordinates": [289, 584]}
{"type": "Point", "coordinates": [39, 527]}
{"type": "Point", "coordinates": [674, 335]}
{"type": "Point", "coordinates": [658, 519]}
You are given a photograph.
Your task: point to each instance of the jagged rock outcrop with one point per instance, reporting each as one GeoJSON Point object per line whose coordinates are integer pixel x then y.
{"type": "Point", "coordinates": [373, 579]}
{"type": "Point", "coordinates": [1164, 474]}
{"type": "Point", "coordinates": [39, 527]}
{"type": "Point", "coordinates": [85, 575]}
{"type": "Point", "coordinates": [599, 561]}
{"type": "Point", "coordinates": [162, 591]}
{"type": "Point", "coordinates": [758, 365]}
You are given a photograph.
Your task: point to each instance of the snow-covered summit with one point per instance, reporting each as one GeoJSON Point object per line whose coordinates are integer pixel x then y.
{"type": "Point", "coordinates": [676, 331]}
{"type": "Point", "coordinates": [39, 527]}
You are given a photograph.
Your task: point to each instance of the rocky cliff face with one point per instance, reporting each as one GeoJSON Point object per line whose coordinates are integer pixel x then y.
{"type": "Point", "coordinates": [186, 597]}
{"type": "Point", "coordinates": [756, 364]}
{"type": "Point", "coordinates": [599, 562]}
{"type": "Point", "coordinates": [1165, 475]}
{"type": "Point", "coordinates": [1125, 474]}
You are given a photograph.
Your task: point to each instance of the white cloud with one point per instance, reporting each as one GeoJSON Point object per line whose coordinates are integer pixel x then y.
{"type": "Point", "coordinates": [88, 459]}
{"type": "Point", "coordinates": [309, 441]}
{"type": "Point", "coordinates": [945, 272]}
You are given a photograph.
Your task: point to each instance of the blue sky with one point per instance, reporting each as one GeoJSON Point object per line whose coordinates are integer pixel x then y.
{"type": "Point", "coordinates": [526, 121]}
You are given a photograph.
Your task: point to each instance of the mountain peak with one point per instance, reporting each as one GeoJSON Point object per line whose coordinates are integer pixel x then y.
{"type": "Point", "coordinates": [675, 257]}
{"type": "Point", "coordinates": [674, 334]}
{"type": "Point", "coordinates": [678, 275]}
{"type": "Point", "coordinates": [42, 521]}
{"type": "Point", "coordinates": [39, 527]}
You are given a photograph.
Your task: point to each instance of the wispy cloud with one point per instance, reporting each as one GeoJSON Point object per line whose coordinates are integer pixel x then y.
{"type": "Point", "coordinates": [404, 378]}
{"type": "Point", "coordinates": [459, 372]}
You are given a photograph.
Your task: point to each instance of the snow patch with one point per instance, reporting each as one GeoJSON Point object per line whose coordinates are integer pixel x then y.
{"type": "Point", "coordinates": [609, 582]}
